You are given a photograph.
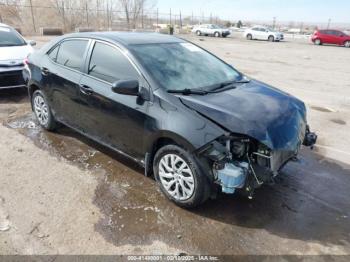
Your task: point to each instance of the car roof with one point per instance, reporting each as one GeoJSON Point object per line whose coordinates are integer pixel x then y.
{"type": "Point", "coordinates": [4, 25]}
{"type": "Point", "coordinates": [129, 38]}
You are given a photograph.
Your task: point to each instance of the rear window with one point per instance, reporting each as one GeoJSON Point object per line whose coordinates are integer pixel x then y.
{"type": "Point", "coordinates": [71, 53]}
{"type": "Point", "coordinates": [10, 37]}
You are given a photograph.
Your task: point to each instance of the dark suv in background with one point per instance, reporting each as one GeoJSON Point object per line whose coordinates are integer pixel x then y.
{"type": "Point", "coordinates": [334, 37]}
{"type": "Point", "coordinates": [188, 117]}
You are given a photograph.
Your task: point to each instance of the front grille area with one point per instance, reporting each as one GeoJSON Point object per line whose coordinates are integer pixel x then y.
{"type": "Point", "coordinates": [12, 78]}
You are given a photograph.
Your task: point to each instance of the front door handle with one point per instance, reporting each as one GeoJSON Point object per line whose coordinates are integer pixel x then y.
{"type": "Point", "coordinates": [45, 71]}
{"type": "Point", "coordinates": [86, 90]}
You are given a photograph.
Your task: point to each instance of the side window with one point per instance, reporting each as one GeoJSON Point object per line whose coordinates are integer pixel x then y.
{"type": "Point", "coordinates": [53, 53]}
{"type": "Point", "coordinates": [71, 53]}
{"type": "Point", "coordinates": [109, 64]}
{"type": "Point", "coordinates": [255, 29]}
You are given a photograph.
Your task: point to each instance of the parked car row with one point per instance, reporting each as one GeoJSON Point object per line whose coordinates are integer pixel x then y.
{"type": "Point", "coordinates": [320, 37]}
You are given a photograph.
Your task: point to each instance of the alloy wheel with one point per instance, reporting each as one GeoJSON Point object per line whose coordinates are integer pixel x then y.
{"type": "Point", "coordinates": [41, 110]}
{"type": "Point", "coordinates": [347, 44]}
{"type": "Point", "coordinates": [176, 177]}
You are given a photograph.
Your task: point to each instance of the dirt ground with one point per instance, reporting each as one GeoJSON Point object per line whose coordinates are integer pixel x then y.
{"type": "Point", "coordinates": [61, 193]}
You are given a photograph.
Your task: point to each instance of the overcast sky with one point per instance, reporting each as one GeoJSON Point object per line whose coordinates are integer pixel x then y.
{"type": "Point", "coordinates": [283, 10]}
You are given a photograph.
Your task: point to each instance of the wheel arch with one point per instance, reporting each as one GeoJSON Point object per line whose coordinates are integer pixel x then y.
{"type": "Point", "coordinates": [164, 138]}
{"type": "Point", "coordinates": [31, 89]}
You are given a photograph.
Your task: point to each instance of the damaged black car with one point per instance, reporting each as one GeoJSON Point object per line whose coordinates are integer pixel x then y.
{"type": "Point", "coordinates": [192, 120]}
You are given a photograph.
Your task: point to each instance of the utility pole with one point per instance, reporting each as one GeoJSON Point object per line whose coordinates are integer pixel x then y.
{"type": "Point", "coordinates": [157, 17]}
{"type": "Point", "coordinates": [33, 19]}
{"type": "Point", "coordinates": [142, 17]}
{"type": "Point", "coordinates": [170, 17]}
{"type": "Point", "coordinates": [274, 23]}
{"type": "Point", "coordinates": [87, 14]}
{"type": "Point", "coordinates": [329, 23]}
{"type": "Point", "coordinates": [180, 20]}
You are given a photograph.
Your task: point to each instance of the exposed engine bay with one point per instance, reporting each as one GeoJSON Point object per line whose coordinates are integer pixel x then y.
{"type": "Point", "coordinates": [244, 164]}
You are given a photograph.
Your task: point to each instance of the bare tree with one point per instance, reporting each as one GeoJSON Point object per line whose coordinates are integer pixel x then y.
{"type": "Point", "coordinates": [10, 12]}
{"type": "Point", "coordinates": [133, 9]}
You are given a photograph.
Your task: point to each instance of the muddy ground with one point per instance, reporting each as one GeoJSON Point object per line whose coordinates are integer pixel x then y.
{"type": "Point", "coordinates": [61, 193]}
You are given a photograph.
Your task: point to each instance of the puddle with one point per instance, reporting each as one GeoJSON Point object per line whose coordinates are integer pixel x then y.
{"type": "Point", "coordinates": [338, 121]}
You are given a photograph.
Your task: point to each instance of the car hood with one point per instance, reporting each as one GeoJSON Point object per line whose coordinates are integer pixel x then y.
{"type": "Point", "coordinates": [15, 52]}
{"type": "Point", "coordinates": [255, 109]}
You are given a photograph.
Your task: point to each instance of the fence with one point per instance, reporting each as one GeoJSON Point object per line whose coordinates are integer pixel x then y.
{"type": "Point", "coordinates": [32, 18]}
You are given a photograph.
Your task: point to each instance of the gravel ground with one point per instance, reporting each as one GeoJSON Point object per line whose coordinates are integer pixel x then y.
{"type": "Point", "coordinates": [61, 193]}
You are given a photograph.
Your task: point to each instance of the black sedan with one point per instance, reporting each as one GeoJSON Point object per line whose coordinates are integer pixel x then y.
{"type": "Point", "coordinates": [192, 120]}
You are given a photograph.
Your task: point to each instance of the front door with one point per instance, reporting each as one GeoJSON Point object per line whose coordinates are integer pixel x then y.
{"type": "Point", "coordinates": [115, 120]}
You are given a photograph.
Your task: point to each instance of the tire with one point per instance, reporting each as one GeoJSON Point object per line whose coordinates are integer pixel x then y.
{"type": "Point", "coordinates": [199, 33]}
{"type": "Point", "coordinates": [217, 34]}
{"type": "Point", "coordinates": [249, 37]}
{"type": "Point", "coordinates": [172, 181]}
{"type": "Point", "coordinates": [318, 42]}
{"type": "Point", "coordinates": [271, 38]}
{"type": "Point", "coordinates": [347, 44]}
{"type": "Point", "coordinates": [42, 111]}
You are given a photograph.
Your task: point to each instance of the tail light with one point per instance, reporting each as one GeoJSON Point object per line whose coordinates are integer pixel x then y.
{"type": "Point", "coordinates": [26, 61]}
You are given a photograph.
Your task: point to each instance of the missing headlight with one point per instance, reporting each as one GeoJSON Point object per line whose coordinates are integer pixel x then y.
{"type": "Point", "coordinates": [239, 147]}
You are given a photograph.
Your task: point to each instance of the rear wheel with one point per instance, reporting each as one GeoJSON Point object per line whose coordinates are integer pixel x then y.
{"type": "Point", "coordinates": [199, 33]}
{"type": "Point", "coordinates": [180, 177]}
{"type": "Point", "coordinates": [249, 37]}
{"type": "Point", "coordinates": [42, 111]}
{"type": "Point", "coordinates": [271, 38]}
{"type": "Point", "coordinates": [347, 44]}
{"type": "Point", "coordinates": [318, 42]}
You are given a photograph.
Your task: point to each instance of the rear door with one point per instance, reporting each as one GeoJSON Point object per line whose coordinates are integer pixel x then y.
{"type": "Point", "coordinates": [114, 119]}
{"type": "Point", "coordinates": [63, 71]}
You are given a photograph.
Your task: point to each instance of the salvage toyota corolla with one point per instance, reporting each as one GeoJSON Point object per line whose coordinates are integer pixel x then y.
{"type": "Point", "coordinates": [192, 120]}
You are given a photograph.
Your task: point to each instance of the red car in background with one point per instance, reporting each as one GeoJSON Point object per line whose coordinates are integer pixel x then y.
{"type": "Point", "coordinates": [329, 36]}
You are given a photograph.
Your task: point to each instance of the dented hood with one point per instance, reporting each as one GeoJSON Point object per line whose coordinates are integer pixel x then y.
{"type": "Point", "coordinates": [255, 109]}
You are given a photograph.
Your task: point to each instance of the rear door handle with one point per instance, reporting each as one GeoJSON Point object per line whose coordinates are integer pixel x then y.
{"type": "Point", "coordinates": [86, 90]}
{"type": "Point", "coordinates": [45, 71]}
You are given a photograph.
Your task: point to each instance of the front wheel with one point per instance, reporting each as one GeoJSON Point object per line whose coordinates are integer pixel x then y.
{"type": "Point", "coordinates": [271, 38]}
{"type": "Point", "coordinates": [199, 33]}
{"type": "Point", "coordinates": [347, 44]}
{"type": "Point", "coordinates": [318, 42]}
{"type": "Point", "coordinates": [180, 177]}
{"type": "Point", "coordinates": [42, 111]}
{"type": "Point", "coordinates": [217, 34]}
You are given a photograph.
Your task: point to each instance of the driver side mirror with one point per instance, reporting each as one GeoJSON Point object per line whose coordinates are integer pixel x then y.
{"type": "Point", "coordinates": [126, 87]}
{"type": "Point", "coordinates": [32, 42]}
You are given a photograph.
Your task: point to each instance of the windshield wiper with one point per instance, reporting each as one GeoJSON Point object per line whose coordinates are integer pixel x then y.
{"type": "Point", "coordinates": [242, 81]}
{"type": "Point", "coordinates": [187, 91]}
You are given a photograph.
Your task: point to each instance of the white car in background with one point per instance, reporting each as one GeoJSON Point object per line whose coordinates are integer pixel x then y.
{"type": "Point", "coordinates": [13, 51]}
{"type": "Point", "coordinates": [263, 33]}
{"type": "Point", "coordinates": [210, 30]}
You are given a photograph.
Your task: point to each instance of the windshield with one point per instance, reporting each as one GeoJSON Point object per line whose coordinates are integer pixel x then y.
{"type": "Point", "coordinates": [9, 37]}
{"type": "Point", "coordinates": [177, 66]}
